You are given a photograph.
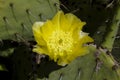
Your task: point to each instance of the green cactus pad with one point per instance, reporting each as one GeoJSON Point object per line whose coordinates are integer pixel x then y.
{"type": "Point", "coordinates": [97, 65]}
{"type": "Point", "coordinates": [98, 14]}
{"type": "Point", "coordinates": [2, 68]}
{"type": "Point", "coordinates": [102, 18]}
{"type": "Point", "coordinates": [18, 16]}
{"type": "Point", "coordinates": [116, 46]}
{"type": "Point", "coordinates": [114, 28]}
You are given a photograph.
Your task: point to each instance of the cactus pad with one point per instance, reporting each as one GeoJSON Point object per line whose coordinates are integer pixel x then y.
{"type": "Point", "coordinates": [17, 16]}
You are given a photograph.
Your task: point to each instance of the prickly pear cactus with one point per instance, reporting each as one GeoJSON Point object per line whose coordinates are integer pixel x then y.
{"type": "Point", "coordinates": [17, 16]}
{"type": "Point", "coordinates": [2, 67]}
{"type": "Point", "coordinates": [16, 40]}
{"type": "Point", "coordinates": [116, 46]}
{"type": "Point", "coordinates": [95, 12]}
{"type": "Point", "coordinates": [16, 20]}
{"type": "Point", "coordinates": [97, 65]}
{"type": "Point", "coordinates": [102, 17]}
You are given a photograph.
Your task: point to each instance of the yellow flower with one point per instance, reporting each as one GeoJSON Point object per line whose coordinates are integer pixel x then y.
{"type": "Point", "coordinates": [61, 38]}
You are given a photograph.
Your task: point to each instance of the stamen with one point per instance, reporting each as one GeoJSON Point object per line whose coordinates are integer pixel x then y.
{"type": "Point", "coordinates": [60, 42]}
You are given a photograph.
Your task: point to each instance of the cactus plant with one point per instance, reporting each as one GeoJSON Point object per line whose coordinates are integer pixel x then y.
{"type": "Point", "coordinates": [2, 67]}
{"type": "Point", "coordinates": [16, 20]}
{"type": "Point", "coordinates": [102, 18]}
{"type": "Point", "coordinates": [116, 46]}
{"type": "Point", "coordinates": [93, 66]}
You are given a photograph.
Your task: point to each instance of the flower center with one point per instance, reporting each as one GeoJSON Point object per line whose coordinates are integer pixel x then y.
{"type": "Point", "coordinates": [60, 42]}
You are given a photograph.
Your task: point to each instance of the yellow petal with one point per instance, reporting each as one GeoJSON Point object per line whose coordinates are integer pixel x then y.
{"type": "Point", "coordinates": [86, 39]}
{"type": "Point", "coordinates": [74, 22]}
{"type": "Point", "coordinates": [40, 49]}
{"type": "Point", "coordinates": [47, 29]}
{"type": "Point", "coordinates": [64, 22]}
{"type": "Point", "coordinates": [63, 62]}
{"type": "Point", "coordinates": [61, 38]}
{"type": "Point", "coordinates": [67, 22]}
{"type": "Point", "coordinates": [56, 20]}
{"type": "Point", "coordinates": [37, 33]}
